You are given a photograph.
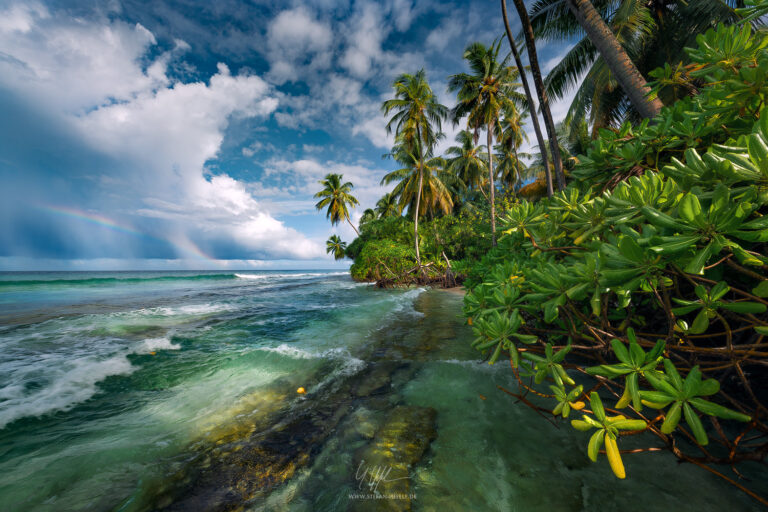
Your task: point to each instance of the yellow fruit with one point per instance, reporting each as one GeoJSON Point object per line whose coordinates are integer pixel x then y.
{"type": "Point", "coordinates": [577, 406]}
{"type": "Point", "coordinates": [301, 391]}
{"type": "Point", "coordinates": [614, 457]}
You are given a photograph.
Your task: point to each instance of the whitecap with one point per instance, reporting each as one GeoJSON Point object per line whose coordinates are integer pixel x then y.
{"type": "Point", "coordinates": [291, 276]}
{"type": "Point", "coordinates": [69, 383]}
{"type": "Point", "coordinates": [350, 365]}
{"type": "Point", "coordinates": [155, 344]}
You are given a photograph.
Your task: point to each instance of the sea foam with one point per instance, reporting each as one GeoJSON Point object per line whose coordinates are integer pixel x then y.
{"type": "Point", "coordinates": [71, 382]}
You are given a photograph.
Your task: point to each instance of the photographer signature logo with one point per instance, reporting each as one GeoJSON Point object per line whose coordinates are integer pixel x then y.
{"type": "Point", "coordinates": [368, 479]}
{"type": "Point", "coordinates": [372, 476]}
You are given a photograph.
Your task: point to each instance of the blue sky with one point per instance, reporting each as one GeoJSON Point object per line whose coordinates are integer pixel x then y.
{"type": "Point", "coordinates": [183, 134]}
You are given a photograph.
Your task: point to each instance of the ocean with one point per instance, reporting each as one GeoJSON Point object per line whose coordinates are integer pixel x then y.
{"type": "Point", "coordinates": [135, 391]}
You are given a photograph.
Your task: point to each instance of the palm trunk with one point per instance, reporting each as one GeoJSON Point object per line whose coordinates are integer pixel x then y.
{"type": "Point", "coordinates": [517, 172]}
{"type": "Point", "coordinates": [531, 103]}
{"type": "Point", "coordinates": [492, 185]}
{"type": "Point", "coordinates": [543, 100]}
{"type": "Point", "coordinates": [418, 199]}
{"type": "Point", "coordinates": [416, 217]}
{"type": "Point", "coordinates": [353, 226]}
{"type": "Point", "coordinates": [615, 57]}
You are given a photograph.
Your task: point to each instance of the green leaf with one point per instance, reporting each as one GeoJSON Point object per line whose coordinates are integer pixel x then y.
{"type": "Point", "coordinates": [672, 419]}
{"type": "Point", "coordinates": [496, 354]}
{"type": "Point", "coordinates": [630, 250]}
{"type": "Point", "coordinates": [677, 244]}
{"type": "Point", "coordinates": [690, 209]}
{"type": "Point", "coordinates": [694, 422]}
{"type": "Point", "coordinates": [621, 351]}
{"type": "Point", "coordinates": [663, 220]}
{"type": "Point", "coordinates": [761, 290]}
{"type": "Point", "coordinates": [671, 372]}
{"type": "Point", "coordinates": [634, 390]}
{"type": "Point", "coordinates": [718, 291]}
{"type": "Point", "coordinates": [692, 382]}
{"type": "Point", "coordinates": [514, 356]}
{"type": "Point", "coordinates": [608, 370]}
{"type": "Point", "coordinates": [700, 323]}
{"type": "Point", "coordinates": [657, 397]}
{"type": "Point", "coordinates": [595, 442]}
{"type": "Point", "coordinates": [708, 387]}
{"type": "Point", "coordinates": [636, 354]}
{"type": "Point", "coordinates": [657, 350]}
{"type": "Point", "coordinates": [745, 307]}
{"type": "Point", "coordinates": [700, 260]}
{"type": "Point", "coordinates": [526, 338]}
{"type": "Point", "coordinates": [684, 310]}
{"type": "Point", "coordinates": [661, 385]}
{"type": "Point", "coordinates": [581, 425]}
{"type": "Point", "coordinates": [714, 409]}
{"type": "Point", "coordinates": [597, 406]}
{"type": "Point", "coordinates": [629, 424]}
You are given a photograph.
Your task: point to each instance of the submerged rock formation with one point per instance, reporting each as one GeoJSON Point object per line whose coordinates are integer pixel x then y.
{"type": "Point", "coordinates": [383, 466]}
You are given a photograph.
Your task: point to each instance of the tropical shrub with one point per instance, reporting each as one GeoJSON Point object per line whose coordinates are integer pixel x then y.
{"type": "Point", "coordinates": [461, 238]}
{"type": "Point", "coordinates": [642, 288]}
{"type": "Point", "coordinates": [382, 259]}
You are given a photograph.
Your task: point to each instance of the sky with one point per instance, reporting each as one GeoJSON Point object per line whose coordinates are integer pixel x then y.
{"type": "Point", "coordinates": [192, 134]}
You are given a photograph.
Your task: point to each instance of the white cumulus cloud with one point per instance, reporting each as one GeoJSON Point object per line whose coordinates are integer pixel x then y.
{"type": "Point", "coordinates": [95, 77]}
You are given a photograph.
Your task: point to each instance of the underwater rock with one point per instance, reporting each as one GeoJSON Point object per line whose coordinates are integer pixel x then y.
{"type": "Point", "coordinates": [377, 381]}
{"type": "Point", "coordinates": [363, 423]}
{"type": "Point", "coordinates": [383, 466]}
{"type": "Point", "coordinates": [241, 473]}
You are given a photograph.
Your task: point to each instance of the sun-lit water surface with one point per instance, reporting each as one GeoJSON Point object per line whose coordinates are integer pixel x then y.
{"type": "Point", "coordinates": [119, 390]}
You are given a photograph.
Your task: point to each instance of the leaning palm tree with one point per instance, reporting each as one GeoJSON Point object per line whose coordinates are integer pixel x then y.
{"type": "Point", "coordinates": [423, 183]}
{"type": "Point", "coordinates": [387, 206]}
{"type": "Point", "coordinates": [482, 97]}
{"type": "Point", "coordinates": [616, 58]}
{"type": "Point", "coordinates": [528, 95]}
{"type": "Point", "coordinates": [336, 198]}
{"type": "Point", "coordinates": [533, 60]}
{"type": "Point", "coordinates": [468, 162]}
{"type": "Point", "coordinates": [335, 246]}
{"type": "Point", "coordinates": [417, 123]}
{"type": "Point", "coordinates": [650, 32]}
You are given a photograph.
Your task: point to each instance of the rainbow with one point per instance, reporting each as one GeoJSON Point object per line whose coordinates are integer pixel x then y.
{"type": "Point", "coordinates": [99, 220]}
{"type": "Point", "coordinates": [183, 246]}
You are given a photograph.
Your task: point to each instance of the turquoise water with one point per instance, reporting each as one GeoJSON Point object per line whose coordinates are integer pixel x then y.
{"type": "Point", "coordinates": [177, 391]}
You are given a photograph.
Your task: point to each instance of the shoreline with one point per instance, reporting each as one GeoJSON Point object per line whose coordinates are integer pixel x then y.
{"type": "Point", "coordinates": [457, 290]}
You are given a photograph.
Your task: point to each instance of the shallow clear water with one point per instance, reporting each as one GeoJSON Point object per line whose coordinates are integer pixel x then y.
{"type": "Point", "coordinates": [142, 391]}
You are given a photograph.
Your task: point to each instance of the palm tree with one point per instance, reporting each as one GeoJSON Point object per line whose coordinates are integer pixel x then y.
{"type": "Point", "coordinates": [616, 58]}
{"type": "Point", "coordinates": [336, 198]}
{"type": "Point", "coordinates": [417, 122]}
{"type": "Point", "coordinates": [533, 59]}
{"type": "Point", "coordinates": [423, 184]}
{"type": "Point", "coordinates": [651, 32]}
{"type": "Point", "coordinates": [387, 206]}
{"type": "Point", "coordinates": [469, 164]}
{"type": "Point", "coordinates": [368, 216]}
{"type": "Point", "coordinates": [510, 169]}
{"type": "Point", "coordinates": [335, 246]}
{"type": "Point", "coordinates": [482, 97]}
{"type": "Point", "coordinates": [528, 95]}
{"type": "Point", "coordinates": [511, 136]}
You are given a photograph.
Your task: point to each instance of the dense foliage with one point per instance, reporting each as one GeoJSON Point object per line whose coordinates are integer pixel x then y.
{"type": "Point", "coordinates": [384, 249]}
{"type": "Point", "coordinates": [645, 282]}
